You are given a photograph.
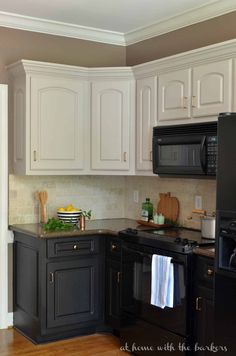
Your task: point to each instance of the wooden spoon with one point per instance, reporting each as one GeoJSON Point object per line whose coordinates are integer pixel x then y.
{"type": "Point", "coordinates": [42, 197]}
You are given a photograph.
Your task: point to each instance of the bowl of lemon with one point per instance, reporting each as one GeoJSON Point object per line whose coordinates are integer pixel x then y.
{"type": "Point", "coordinates": [69, 214]}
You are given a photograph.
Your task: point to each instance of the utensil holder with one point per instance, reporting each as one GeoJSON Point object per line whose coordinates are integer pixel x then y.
{"type": "Point", "coordinates": [43, 214]}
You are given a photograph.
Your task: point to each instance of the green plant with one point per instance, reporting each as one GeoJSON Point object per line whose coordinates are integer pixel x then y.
{"type": "Point", "coordinates": [54, 224]}
{"type": "Point", "coordinates": [87, 214]}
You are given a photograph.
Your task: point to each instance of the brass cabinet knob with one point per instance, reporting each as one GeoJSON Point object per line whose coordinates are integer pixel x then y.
{"type": "Point", "coordinates": [210, 272]}
{"type": "Point", "coordinates": [114, 247]}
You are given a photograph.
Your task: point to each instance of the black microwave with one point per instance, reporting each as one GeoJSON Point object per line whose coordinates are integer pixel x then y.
{"type": "Point", "coordinates": [185, 150]}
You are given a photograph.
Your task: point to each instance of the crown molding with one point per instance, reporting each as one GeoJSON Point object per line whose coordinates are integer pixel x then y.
{"type": "Point", "coordinates": [187, 18]}
{"type": "Point", "coordinates": [208, 54]}
{"type": "Point", "coordinates": [34, 24]}
{"type": "Point", "coordinates": [57, 28]}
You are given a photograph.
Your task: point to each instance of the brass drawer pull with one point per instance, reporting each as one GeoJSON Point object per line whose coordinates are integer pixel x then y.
{"type": "Point", "coordinates": [75, 247]}
{"type": "Point", "coordinates": [194, 101]}
{"type": "Point", "coordinates": [210, 272]}
{"type": "Point", "coordinates": [151, 156]}
{"type": "Point", "coordinates": [198, 306]}
{"type": "Point", "coordinates": [118, 277]}
{"type": "Point", "coordinates": [184, 102]}
{"type": "Point", "coordinates": [51, 277]}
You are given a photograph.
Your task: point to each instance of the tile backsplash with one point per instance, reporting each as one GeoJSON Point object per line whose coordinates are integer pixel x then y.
{"type": "Point", "coordinates": [184, 189]}
{"type": "Point", "coordinates": [107, 196]}
{"type": "Point", "coordinates": [104, 195]}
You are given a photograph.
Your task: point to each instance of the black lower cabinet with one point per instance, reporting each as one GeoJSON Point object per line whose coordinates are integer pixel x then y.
{"type": "Point", "coordinates": [203, 306]}
{"type": "Point", "coordinates": [72, 292]}
{"type": "Point", "coordinates": [58, 286]}
{"type": "Point", "coordinates": [113, 282]}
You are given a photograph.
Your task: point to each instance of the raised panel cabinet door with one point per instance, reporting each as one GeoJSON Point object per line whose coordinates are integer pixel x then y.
{"type": "Point", "coordinates": [111, 121]}
{"type": "Point", "coordinates": [212, 89]}
{"type": "Point", "coordinates": [174, 94]}
{"type": "Point", "coordinates": [146, 120]}
{"type": "Point", "coordinates": [73, 292]}
{"type": "Point", "coordinates": [57, 123]}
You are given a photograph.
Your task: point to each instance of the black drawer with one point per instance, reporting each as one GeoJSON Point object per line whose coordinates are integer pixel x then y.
{"type": "Point", "coordinates": [204, 271]}
{"type": "Point", "coordinates": [73, 246]}
{"type": "Point", "coordinates": [113, 248]}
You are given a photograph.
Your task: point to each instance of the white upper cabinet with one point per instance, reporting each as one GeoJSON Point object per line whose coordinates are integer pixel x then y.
{"type": "Point", "coordinates": [146, 119]}
{"type": "Point", "coordinates": [201, 92]}
{"type": "Point", "coordinates": [49, 115]}
{"type": "Point", "coordinates": [212, 88]}
{"type": "Point", "coordinates": [75, 120]}
{"type": "Point", "coordinates": [111, 125]}
{"type": "Point", "coordinates": [57, 123]}
{"type": "Point", "coordinates": [174, 92]}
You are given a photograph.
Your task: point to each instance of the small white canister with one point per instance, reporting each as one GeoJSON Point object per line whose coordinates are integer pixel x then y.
{"type": "Point", "coordinates": [208, 226]}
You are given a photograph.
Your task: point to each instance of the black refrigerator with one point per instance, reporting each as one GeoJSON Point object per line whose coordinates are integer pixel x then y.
{"type": "Point", "coordinates": [225, 265]}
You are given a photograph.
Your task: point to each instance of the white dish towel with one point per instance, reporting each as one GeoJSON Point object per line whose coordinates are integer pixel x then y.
{"type": "Point", "coordinates": [162, 287]}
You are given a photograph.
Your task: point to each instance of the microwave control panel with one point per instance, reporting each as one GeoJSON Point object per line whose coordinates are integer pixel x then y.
{"type": "Point", "coordinates": [212, 154]}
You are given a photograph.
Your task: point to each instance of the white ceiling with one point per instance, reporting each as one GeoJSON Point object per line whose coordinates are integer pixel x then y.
{"type": "Point", "coordinates": [110, 17]}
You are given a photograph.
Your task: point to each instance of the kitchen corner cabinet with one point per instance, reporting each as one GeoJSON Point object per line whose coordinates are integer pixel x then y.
{"type": "Point", "coordinates": [199, 92]}
{"type": "Point", "coordinates": [146, 109]}
{"type": "Point", "coordinates": [58, 286]}
{"type": "Point", "coordinates": [112, 124]}
{"type": "Point", "coordinates": [49, 118]}
{"type": "Point", "coordinates": [203, 304]}
{"type": "Point", "coordinates": [54, 130]}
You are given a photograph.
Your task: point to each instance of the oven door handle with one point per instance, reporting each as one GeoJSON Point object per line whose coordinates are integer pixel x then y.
{"type": "Point", "coordinates": [177, 262]}
{"type": "Point", "coordinates": [142, 254]}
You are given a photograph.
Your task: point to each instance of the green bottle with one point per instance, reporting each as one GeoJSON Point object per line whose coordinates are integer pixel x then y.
{"type": "Point", "coordinates": [147, 210]}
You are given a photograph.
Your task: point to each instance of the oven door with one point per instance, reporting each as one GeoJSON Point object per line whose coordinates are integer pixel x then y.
{"type": "Point", "coordinates": [136, 289]}
{"type": "Point", "coordinates": [179, 155]}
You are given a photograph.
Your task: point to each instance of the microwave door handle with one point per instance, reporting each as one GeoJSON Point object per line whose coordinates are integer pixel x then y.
{"type": "Point", "coordinates": [202, 154]}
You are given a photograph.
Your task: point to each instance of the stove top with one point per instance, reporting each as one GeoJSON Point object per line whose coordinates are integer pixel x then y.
{"type": "Point", "coordinates": [174, 239]}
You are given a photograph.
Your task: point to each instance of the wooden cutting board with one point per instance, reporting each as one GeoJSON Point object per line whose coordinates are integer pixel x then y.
{"type": "Point", "coordinates": [168, 206]}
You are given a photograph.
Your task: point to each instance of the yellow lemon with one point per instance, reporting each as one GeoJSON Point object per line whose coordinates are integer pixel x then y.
{"type": "Point", "coordinates": [69, 207]}
{"type": "Point", "coordinates": [61, 209]}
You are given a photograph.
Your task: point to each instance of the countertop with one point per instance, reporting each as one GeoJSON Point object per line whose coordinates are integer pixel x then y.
{"type": "Point", "coordinates": [101, 227]}
{"type": "Point", "coordinates": [205, 251]}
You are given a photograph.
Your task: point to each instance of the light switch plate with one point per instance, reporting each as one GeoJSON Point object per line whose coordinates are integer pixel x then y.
{"type": "Point", "coordinates": [198, 202]}
{"type": "Point", "coordinates": [136, 196]}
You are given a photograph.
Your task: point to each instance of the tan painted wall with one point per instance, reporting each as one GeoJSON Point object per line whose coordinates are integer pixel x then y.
{"type": "Point", "coordinates": [216, 30]}
{"type": "Point", "coordinates": [17, 44]}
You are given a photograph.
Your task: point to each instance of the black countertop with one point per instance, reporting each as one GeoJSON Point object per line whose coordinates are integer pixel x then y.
{"type": "Point", "coordinates": [100, 227]}
{"type": "Point", "coordinates": [103, 226]}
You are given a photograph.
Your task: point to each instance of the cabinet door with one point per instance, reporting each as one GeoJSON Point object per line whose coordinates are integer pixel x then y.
{"type": "Point", "coordinates": [73, 295]}
{"type": "Point", "coordinates": [111, 125]}
{"type": "Point", "coordinates": [146, 119]}
{"type": "Point", "coordinates": [57, 127]}
{"type": "Point", "coordinates": [113, 293]}
{"type": "Point", "coordinates": [212, 88]}
{"type": "Point", "coordinates": [204, 325]}
{"type": "Point", "coordinates": [174, 92]}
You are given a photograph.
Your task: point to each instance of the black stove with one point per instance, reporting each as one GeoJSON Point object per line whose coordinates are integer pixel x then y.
{"type": "Point", "coordinates": [173, 239]}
